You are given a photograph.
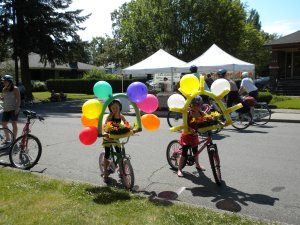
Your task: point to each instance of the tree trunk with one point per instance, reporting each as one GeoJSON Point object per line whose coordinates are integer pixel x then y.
{"type": "Point", "coordinates": [25, 75]}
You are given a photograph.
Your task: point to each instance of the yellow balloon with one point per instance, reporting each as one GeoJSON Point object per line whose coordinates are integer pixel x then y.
{"type": "Point", "coordinates": [92, 108]}
{"type": "Point", "coordinates": [189, 84]}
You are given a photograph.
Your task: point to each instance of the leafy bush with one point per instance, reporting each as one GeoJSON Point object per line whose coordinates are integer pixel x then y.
{"type": "Point", "coordinates": [98, 74]}
{"type": "Point", "coordinates": [86, 86]}
{"type": "Point", "coordinates": [38, 86]}
{"type": "Point", "coordinates": [265, 97]}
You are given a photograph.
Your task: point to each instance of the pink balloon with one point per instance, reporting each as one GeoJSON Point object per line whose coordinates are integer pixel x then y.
{"type": "Point", "coordinates": [88, 135]}
{"type": "Point", "coordinates": [149, 105]}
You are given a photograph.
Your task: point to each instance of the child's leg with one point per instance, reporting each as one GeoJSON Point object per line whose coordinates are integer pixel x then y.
{"type": "Point", "coordinates": [182, 159]}
{"type": "Point", "coordinates": [198, 166]}
{"type": "Point", "coordinates": [106, 162]}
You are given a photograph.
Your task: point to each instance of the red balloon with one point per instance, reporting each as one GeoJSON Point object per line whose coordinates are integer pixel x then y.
{"type": "Point", "coordinates": [88, 135]}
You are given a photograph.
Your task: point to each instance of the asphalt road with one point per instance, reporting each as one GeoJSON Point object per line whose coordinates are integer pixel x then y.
{"type": "Point", "coordinates": [260, 166]}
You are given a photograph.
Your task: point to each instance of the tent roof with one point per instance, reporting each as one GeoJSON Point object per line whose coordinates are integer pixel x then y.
{"type": "Point", "coordinates": [159, 62]}
{"type": "Point", "coordinates": [215, 58]}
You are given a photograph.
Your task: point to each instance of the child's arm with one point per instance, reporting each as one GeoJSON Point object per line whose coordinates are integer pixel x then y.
{"type": "Point", "coordinates": [123, 118]}
{"type": "Point", "coordinates": [108, 118]}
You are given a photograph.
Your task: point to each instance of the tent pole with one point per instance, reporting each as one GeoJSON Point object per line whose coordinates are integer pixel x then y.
{"type": "Point", "coordinates": [122, 82]}
{"type": "Point", "coordinates": [172, 79]}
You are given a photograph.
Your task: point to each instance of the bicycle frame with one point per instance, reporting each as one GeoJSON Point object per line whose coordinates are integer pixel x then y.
{"type": "Point", "coordinates": [26, 130]}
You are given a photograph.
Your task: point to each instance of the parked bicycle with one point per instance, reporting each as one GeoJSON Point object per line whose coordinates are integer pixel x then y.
{"type": "Point", "coordinates": [118, 160]}
{"type": "Point", "coordinates": [174, 151]}
{"type": "Point", "coordinates": [26, 150]}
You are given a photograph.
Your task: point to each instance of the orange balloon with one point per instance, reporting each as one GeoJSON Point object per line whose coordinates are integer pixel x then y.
{"type": "Point", "coordinates": [150, 121]}
{"type": "Point", "coordinates": [89, 122]}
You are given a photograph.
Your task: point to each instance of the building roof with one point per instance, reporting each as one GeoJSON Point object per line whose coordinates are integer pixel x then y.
{"type": "Point", "coordinates": [35, 63]}
{"type": "Point", "coordinates": [293, 38]}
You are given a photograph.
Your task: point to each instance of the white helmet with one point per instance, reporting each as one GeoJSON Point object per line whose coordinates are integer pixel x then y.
{"type": "Point", "coordinates": [245, 74]}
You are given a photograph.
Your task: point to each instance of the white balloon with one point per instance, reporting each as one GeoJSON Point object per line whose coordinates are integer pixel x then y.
{"type": "Point", "coordinates": [176, 101]}
{"type": "Point", "coordinates": [219, 85]}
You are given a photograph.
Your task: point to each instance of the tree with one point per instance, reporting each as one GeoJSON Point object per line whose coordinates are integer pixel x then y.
{"type": "Point", "coordinates": [183, 28]}
{"type": "Point", "coordinates": [44, 27]}
{"type": "Point", "coordinates": [254, 19]}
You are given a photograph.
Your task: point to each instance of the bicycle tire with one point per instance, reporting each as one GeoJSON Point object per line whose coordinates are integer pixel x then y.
{"type": "Point", "coordinates": [214, 160]}
{"type": "Point", "coordinates": [241, 121]}
{"type": "Point", "coordinates": [173, 154]}
{"type": "Point", "coordinates": [3, 132]}
{"type": "Point", "coordinates": [127, 176]}
{"type": "Point", "coordinates": [174, 119]}
{"type": "Point", "coordinates": [262, 114]}
{"type": "Point", "coordinates": [18, 152]}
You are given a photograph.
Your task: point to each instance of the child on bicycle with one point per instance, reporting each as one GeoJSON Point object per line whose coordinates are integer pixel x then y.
{"type": "Point", "coordinates": [115, 116]}
{"type": "Point", "coordinates": [191, 140]}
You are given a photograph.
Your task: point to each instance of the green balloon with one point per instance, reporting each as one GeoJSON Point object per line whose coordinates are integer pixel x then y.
{"type": "Point", "coordinates": [102, 90]}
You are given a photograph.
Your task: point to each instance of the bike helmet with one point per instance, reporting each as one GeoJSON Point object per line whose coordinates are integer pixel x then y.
{"type": "Point", "coordinates": [117, 101]}
{"type": "Point", "coordinates": [222, 72]}
{"type": "Point", "coordinates": [197, 100]}
{"type": "Point", "coordinates": [193, 69]}
{"type": "Point", "coordinates": [245, 74]}
{"type": "Point", "coordinates": [7, 78]}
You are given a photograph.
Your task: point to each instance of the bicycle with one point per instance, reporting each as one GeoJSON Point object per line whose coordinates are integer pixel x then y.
{"type": "Point", "coordinates": [26, 150]}
{"type": "Point", "coordinates": [121, 160]}
{"type": "Point", "coordinates": [261, 113]}
{"type": "Point", "coordinates": [174, 151]}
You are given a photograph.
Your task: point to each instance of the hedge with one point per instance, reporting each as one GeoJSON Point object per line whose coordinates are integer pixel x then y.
{"type": "Point", "coordinates": [86, 86]}
{"type": "Point", "coordinates": [265, 97]}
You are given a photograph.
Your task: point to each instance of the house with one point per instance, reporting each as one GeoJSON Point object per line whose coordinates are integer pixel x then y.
{"type": "Point", "coordinates": [44, 71]}
{"type": "Point", "coordinates": [285, 64]}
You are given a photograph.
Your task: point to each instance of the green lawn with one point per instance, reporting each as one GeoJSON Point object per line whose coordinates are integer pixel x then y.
{"type": "Point", "coordinates": [28, 199]}
{"type": "Point", "coordinates": [44, 96]}
{"type": "Point", "coordinates": [283, 102]}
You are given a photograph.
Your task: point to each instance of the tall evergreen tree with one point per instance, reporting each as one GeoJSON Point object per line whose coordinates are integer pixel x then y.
{"type": "Point", "coordinates": [42, 26]}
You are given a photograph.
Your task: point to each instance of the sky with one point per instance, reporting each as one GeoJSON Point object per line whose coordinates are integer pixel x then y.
{"type": "Point", "coordinates": [276, 16]}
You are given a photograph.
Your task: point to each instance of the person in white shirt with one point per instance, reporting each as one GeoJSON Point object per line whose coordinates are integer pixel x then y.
{"type": "Point", "coordinates": [247, 85]}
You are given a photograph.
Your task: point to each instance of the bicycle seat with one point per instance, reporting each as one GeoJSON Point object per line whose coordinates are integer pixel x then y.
{"type": "Point", "coordinates": [29, 113]}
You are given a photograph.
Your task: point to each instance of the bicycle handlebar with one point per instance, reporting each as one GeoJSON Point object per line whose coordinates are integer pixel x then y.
{"type": "Point", "coordinates": [32, 115]}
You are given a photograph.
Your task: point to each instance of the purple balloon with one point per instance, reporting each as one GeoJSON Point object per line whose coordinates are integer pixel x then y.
{"type": "Point", "coordinates": [137, 92]}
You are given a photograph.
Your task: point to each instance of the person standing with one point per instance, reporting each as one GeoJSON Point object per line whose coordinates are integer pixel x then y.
{"type": "Point", "coordinates": [11, 104]}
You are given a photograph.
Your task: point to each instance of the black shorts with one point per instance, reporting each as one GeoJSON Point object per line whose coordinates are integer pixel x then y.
{"type": "Point", "coordinates": [254, 94]}
{"type": "Point", "coordinates": [9, 115]}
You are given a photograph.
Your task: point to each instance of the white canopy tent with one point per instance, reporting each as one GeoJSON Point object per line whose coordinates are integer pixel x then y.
{"type": "Point", "coordinates": [215, 58]}
{"type": "Point", "coordinates": [159, 62]}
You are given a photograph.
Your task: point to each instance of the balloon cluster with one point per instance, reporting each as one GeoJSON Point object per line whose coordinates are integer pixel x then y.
{"type": "Point", "coordinates": [93, 109]}
{"type": "Point", "coordinates": [190, 87]}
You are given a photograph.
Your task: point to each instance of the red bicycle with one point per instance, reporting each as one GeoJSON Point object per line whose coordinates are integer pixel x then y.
{"type": "Point", "coordinates": [26, 150]}
{"type": "Point", "coordinates": [174, 151]}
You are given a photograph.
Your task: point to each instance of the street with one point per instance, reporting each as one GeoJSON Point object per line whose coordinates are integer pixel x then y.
{"type": "Point", "coordinates": [260, 166]}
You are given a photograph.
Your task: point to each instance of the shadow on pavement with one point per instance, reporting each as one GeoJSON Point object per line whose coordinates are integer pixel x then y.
{"type": "Point", "coordinates": [4, 157]}
{"type": "Point", "coordinates": [226, 198]}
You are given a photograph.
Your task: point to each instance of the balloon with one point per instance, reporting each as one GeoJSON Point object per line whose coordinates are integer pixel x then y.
{"type": "Point", "coordinates": [219, 85]}
{"type": "Point", "coordinates": [150, 121]}
{"type": "Point", "coordinates": [89, 122]}
{"type": "Point", "coordinates": [91, 109]}
{"type": "Point", "coordinates": [189, 84]}
{"type": "Point", "coordinates": [102, 90]}
{"type": "Point", "coordinates": [88, 135]}
{"type": "Point", "coordinates": [176, 101]}
{"type": "Point", "coordinates": [137, 92]}
{"type": "Point", "coordinates": [149, 105]}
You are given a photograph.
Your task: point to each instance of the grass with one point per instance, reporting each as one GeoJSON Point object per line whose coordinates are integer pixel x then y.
{"type": "Point", "coordinates": [285, 102]}
{"type": "Point", "coordinates": [28, 199]}
{"type": "Point", "coordinates": [44, 96]}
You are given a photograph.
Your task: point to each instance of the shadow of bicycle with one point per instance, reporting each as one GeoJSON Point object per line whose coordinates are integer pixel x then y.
{"type": "Point", "coordinates": [226, 198]}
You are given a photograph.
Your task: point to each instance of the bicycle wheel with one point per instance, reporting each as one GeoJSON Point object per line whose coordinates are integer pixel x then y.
{"type": "Point", "coordinates": [174, 119]}
{"type": "Point", "coordinates": [173, 154]}
{"type": "Point", "coordinates": [214, 160]}
{"type": "Point", "coordinates": [25, 152]}
{"type": "Point", "coordinates": [262, 114]}
{"type": "Point", "coordinates": [127, 176]}
{"type": "Point", "coordinates": [6, 134]}
{"type": "Point", "coordinates": [241, 121]}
